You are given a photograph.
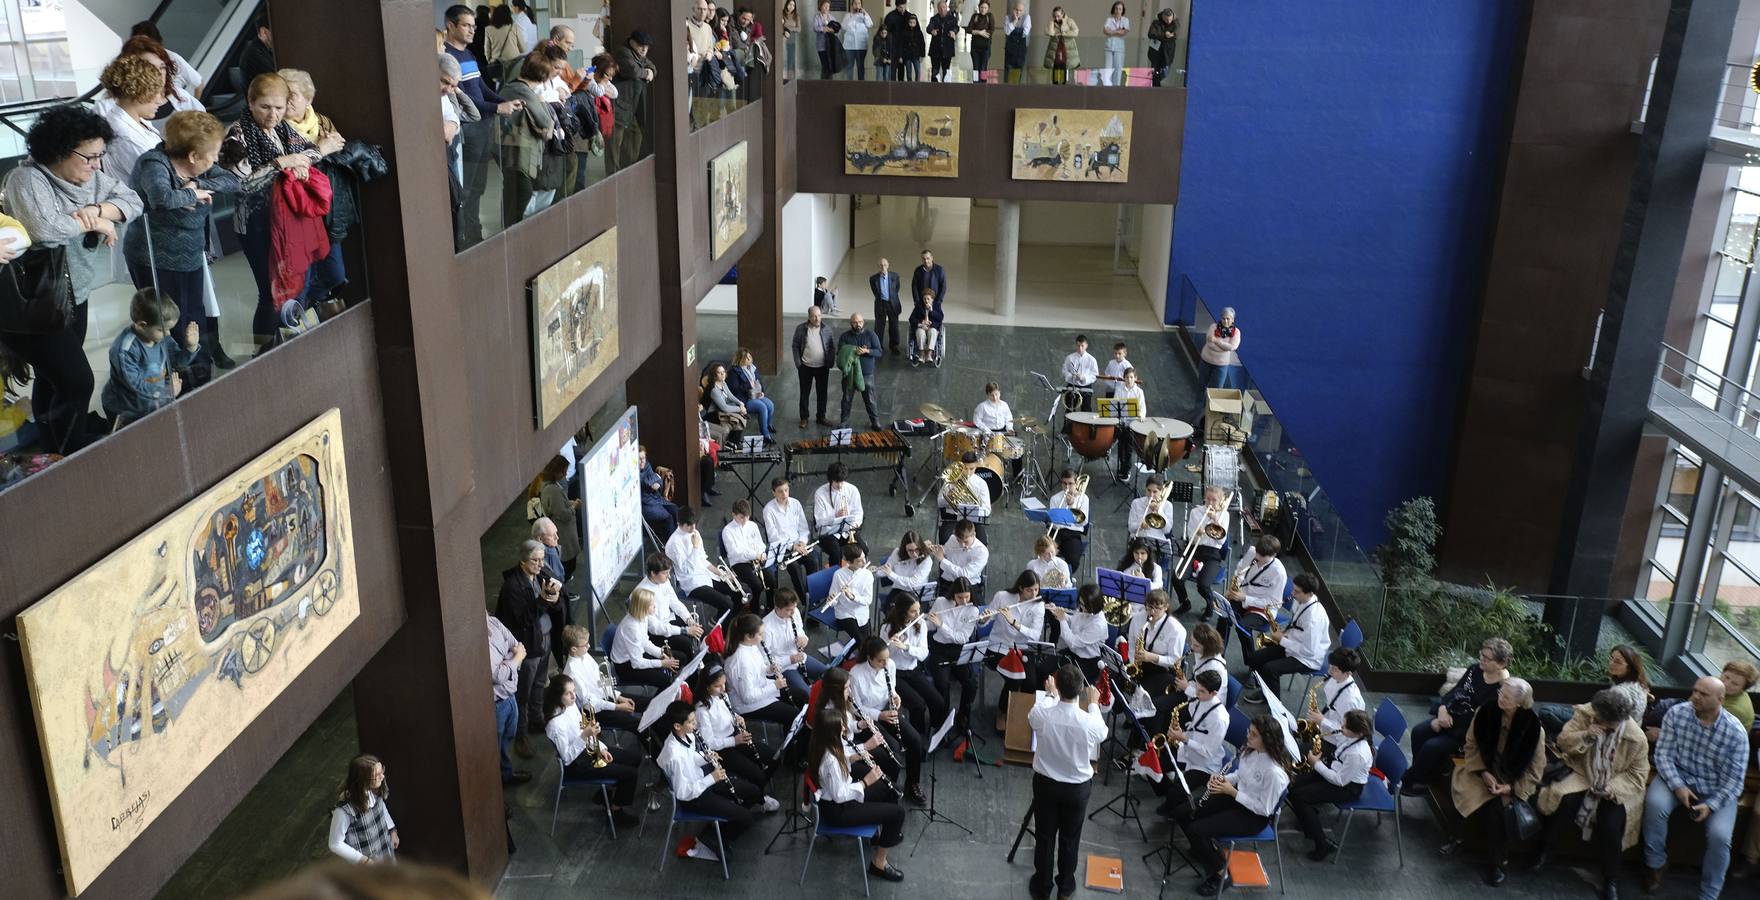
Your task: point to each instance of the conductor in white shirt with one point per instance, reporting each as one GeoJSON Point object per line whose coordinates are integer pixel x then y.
{"type": "Point", "coordinates": [1067, 730]}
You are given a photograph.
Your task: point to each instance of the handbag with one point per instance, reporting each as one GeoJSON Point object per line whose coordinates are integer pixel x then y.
{"type": "Point", "coordinates": [36, 292]}
{"type": "Point", "coordinates": [1520, 820]}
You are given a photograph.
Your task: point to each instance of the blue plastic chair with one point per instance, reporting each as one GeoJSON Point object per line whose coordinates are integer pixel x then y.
{"type": "Point", "coordinates": [1389, 721]}
{"type": "Point", "coordinates": [1351, 637]}
{"type": "Point", "coordinates": [1268, 833]}
{"type": "Point", "coordinates": [606, 639]}
{"type": "Point", "coordinates": [1234, 695]}
{"type": "Point", "coordinates": [1379, 797]}
{"type": "Point", "coordinates": [861, 833]}
{"type": "Point", "coordinates": [1236, 736]}
{"type": "Point", "coordinates": [682, 816]}
{"type": "Point", "coordinates": [818, 588]}
{"type": "Point", "coordinates": [563, 781]}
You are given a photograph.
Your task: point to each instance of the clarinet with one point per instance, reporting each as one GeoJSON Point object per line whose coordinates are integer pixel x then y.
{"type": "Point", "coordinates": [1236, 761]}
{"type": "Point", "coordinates": [868, 725]}
{"type": "Point", "coordinates": [863, 753]}
{"type": "Point", "coordinates": [897, 729]}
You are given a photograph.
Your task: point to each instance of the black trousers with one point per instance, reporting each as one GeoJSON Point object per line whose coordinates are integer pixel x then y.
{"type": "Point", "coordinates": [1177, 804]}
{"type": "Point", "coordinates": [530, 691]}
{"type": "Point", "coordinates": [1071, 546]}
{"type": "Point", "coordinates": [618, 720]}
{"type": "Point", "coordinates": [886, 323]}
{"type": "Point", "coordinates": [727, 800]}
{"type": "Point", "coordinates": [1208, 558]}
{"type": "Point", "coordinates": [939, 66]}
{"type": "Point", "coordinates": [851, 627]}
{"type": "Point", "coordinates": [980, 60]}
{"type": "Point", "coordinates": [1090, 668]}
{"type": "Point", "coordinates": [944, 669]}
{"type": "Point", "coordinates": [1608, 835]}
{"type": "Point", "coordinates": [867, 401]}
{"type": "Point", "coordinates": [1059, 810]}
{"type": "Point", "coordinates": [1308, 792]}
{"type": "Point", "coordinates": [1431, 750]}
{"type": "Point", "coordinates": [654, 678]}
{"type": "Point", "coordinates": [622, 769]}
{"type": "Point", "coordinates": [832, 547]}
{"type": "Point", "coordinates": [747, 762]}
{"type": "Point", "coordinates": [914, 744]}
{"type": "Point", "coordinates": [61, 390]}
{"type": "Point", "coordinates": [811, 378]}
{"type": "Point", "coordinates": [924, 704]}
{"type": "Point", "coordinates": [886, 814]}
{"type": "Point", "coordinates": [708, 595]}
{"type": "Point", "coordinates": [1273, 662]}
{"type": "Point", "coordinates": [1220, 816]}
{"type": "Point", "coordinates": [1490, 822]}
{"type": "Point", "coordinates": [779, 712]}
{"type": "Point", "coordinates": [825, 70]}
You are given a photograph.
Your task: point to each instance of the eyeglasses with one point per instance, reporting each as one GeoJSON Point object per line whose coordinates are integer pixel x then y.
{"type": "Point", "coordinates": [91, 159]}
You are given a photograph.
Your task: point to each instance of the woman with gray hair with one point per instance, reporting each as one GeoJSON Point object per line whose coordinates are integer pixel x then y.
{"type": "Point", "coordinates": [530, 605]}
{"type": "Point", "coordinates": [1505, 756]}
{"type": "Point", "coordinates": [1437, 739]}
{"type": "Point", "coordinates": [1603, 796]}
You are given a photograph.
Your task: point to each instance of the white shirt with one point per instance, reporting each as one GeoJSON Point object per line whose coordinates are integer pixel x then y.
{"type": "Point", "coordinates": [715, 722]}
{"type": "Point", "coordinates": [684, 764]}
{"type": "Point", "coordinates": [690, 565]}
{"type": "Point", "coordinates": [1080, 369]}
{"type": "Point", "coordinates": [780, 637]}
{"type": "Point", "coordinates": [1207, 664]}
{"type": "Point", "coordinates": [826, 502]}
{"type": "Point", "coordinates": [133, 138]}
{"type": "Point", "coordinates": [1044, 567]}
{"type": "Point", "coordinates": [1084, 634]}
{"type": "Point", "coordinates": [993, 415]}
{"type": "Point", "coordinates": [339, 829]}
{"type": "Point", "coordinates": [916, 645]}
{"type": "Point", "coordinates": [1122, 393]}
{"type": "Point", "coordinates": [1350, 764]}
{"type": "Point", "coordinates": [855, 604]}
{"type": "Point", "coordinates": [1309, 635]}
{"type": "Point", "coordinates": [1166, 637]}
{"type": "Point", "coordinates": [1065, 737]}
{"type": "Point", "coordinates": [564, 731]}
{"type": "Point", "coordinates": [787, 524]}
{"type": "Point", "coordinates": [748, 679]}
{"type": "Point", "coordinates": [667, 609]}
{"type": "Point", "coordinates": [872, 688]}
{"type": "Point", "coordinates": [1195, 518]}
{"type": "Point", "coordinates": [631, 646]}
{"type": "Point", "coordinates": [743, 543]}
{"type": "Point", "coordinates": [1115, 369]}
{"type": "Point", "coordinates": [910, 575]}
{"type": "Point", "coordinates": [1031, 617]}
{"type": "Point", "coordinates": [590, 690]}
{"type": "Point", "coordinates": [1061, 500]}
{"type": "Point", "coordinates": [957, 622]}
{"type": "Point", "coordinates": [1262, 582]}
{"type": "Point", "coordinates": [964, 562]}
{"type": "Point", "coordinates": [855, 30]}
{"type": "Point", "coordinates": [184, 75]}
{"type": "Point", "coordinates": [1337, 698]}
{"type": "Point", "coordinates": [1204, 749]}
{"type": "Point", "coordinates": [528, 30]}
{"type": "Point", "coordinates": [1154, 573]}
{"type": "Point", "coordinates": [1261, 782]}
{"type": "Point", "coordinates": [980, 491]}
{"type": "Point", "coordinates": [1140, 508]}
{"type": "Point", "coordinates": [835, 785]}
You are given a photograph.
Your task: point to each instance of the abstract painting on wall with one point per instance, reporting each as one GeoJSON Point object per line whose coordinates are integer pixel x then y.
{"type": "Point", "coordinates": [574, 324]}
{"type": "Point", "coordinates": [917, 141]}
{"type": "Point", "coordinates": [1071, 145]}
{"type": "Point", "coordinates": [727, 199]}
{"type": "Point", "coordinates": [145, 668]}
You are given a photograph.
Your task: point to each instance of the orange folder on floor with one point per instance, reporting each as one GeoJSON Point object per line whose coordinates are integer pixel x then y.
{"type": "Point", "coordinates": [1246, 870]}
{"type": "Point", "coordinates": [1105, 873]}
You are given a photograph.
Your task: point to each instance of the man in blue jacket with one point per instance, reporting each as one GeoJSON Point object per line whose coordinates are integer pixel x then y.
{"type": "Point", "coordinates": [863, 345]}
{"type": "Point", "coordinates": [884, 284]}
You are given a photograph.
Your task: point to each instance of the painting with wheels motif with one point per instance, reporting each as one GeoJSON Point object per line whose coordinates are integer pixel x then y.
{"type": "Point", "coordinates": [727, 199]}
{"type": "Point", "coordinates": [145, 667]}
{"type": "Point", "coordinates": [1072, 145]}
{"type": "Point", "coordinates": [917, 141]}
{"type": "Point", "coordinates": [574, 324]}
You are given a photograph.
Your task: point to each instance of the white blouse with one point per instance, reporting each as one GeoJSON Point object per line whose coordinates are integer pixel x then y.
{"type": "Point", "coordinates": [1044, 567]}
{"type": "Point", "coordinates": [564, 731]}
{"type": "Point", "coordinates": [1061, 500]}
{"type": "Point", "coordinates": [780, 637]}
{"type": "Point", "coordinates": [590, 690]}
{"type": "Point", "coordinates": [715, 722]}
{"type": "Point", "coordinates": [910, 575]}
{"type": "Point", "coordinates": [1084, 634]}
{"type": "Point", "coordinates": [787, 524]}
{"type": "Point", "coordinates": [748, 680]}
{"type": "Point", "coordinates": [835, 785]}
{"type": "Point", "coordinates": [1031, 617]}
{"type": "Point", "coordinates": [1261, 782]}
{"type": "Point", "coordinates": [916, 645]}
{"type": "Point", "coordinates": [631, 646]}
{"type": "Point", "coordinates": [993, 415]}
{"type": "Point", "coordinates": [872, 688]}
{"type": "Point", "coordinates": [826, 503]}
{"type": "Point", "coordinates": [957, 622]}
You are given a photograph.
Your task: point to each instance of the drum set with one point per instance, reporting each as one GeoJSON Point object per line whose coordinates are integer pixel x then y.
{"type": "Point", "coordinates": [995, 449]}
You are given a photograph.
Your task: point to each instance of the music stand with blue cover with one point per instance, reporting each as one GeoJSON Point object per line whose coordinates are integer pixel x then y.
{"type": "Point", "coordinates": [1049, 516]}
{"type": "Point", "coordinates": [1129, 588]}
{"type": "Point", "coordinates": [1064, 597]}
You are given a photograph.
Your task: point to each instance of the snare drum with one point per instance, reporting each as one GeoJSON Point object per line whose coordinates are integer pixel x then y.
{"type": "Point", "coordinates": [1090, 434]}
{"type": "Point", "coordinates": [960, 439]}
{"type": "Point", "coordinates": [1007, 446]}
{"type": "Point", "coordinates": [1160, 442]}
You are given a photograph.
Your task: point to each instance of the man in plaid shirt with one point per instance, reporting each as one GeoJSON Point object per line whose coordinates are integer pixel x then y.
{"type": "Point", "coordinates": [1699, 761]}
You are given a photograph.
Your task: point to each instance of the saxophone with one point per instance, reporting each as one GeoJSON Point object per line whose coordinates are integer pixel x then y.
{"type": "Point", "coordinates": [1307, 732]}
{"type": "Point", "coordinates": [1134, 668]}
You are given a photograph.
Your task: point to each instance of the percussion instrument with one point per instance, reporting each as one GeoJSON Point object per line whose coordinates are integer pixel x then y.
{"type": "Point", "coordinates": [1160, 441]}
{"type": "Point", "coordinates": [1006, 446]}
{"type": "Point", "coordinates": [937, 413]}
{"type": "Point", "coordinates": [1026, 421]}
{"type": "Point", "coordinates": [991, 476]}
{"type": "Point", "coordinates": [1091, 435]}
{"type": "Point", "coordinates": [1222, 467]}
{"type": "Point", "coordinates": [960, 439]}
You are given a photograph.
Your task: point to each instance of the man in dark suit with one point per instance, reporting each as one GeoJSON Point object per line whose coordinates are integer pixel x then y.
{"type": "Point", "coordinates": [884, 284]}
{"type": "Point", "coordinates": [932, 278]}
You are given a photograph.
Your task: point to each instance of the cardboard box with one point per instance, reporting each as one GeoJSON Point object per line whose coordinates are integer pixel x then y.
{"type": "Point", "coordinates": [1017, 739]}
{"type": "Point", "coordinates": [1228, 416]}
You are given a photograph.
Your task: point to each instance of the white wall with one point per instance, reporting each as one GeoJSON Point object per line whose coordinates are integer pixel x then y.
{"type": "Point", "coordinates": [1153, 248]}
{"type": "Point", "coordinates": [1057, 222]}
{"type": "Point", "coordinates": [815, 238]}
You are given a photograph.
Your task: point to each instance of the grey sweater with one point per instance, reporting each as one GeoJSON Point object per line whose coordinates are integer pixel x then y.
{"type": "Point", "coordinates": [179, 223]}
{"type": "Point", "coordinates": [45, 204]}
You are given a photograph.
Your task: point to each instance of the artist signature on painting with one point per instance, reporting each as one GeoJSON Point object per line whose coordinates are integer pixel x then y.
{"type": "Point", "coordinates": [133, 811]}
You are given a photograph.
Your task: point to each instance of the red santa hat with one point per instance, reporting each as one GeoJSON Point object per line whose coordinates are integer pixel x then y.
{"type": "Point", "coordinates": [1148, 764]}
{"type": "Point", "coordinates": [1013, 665]}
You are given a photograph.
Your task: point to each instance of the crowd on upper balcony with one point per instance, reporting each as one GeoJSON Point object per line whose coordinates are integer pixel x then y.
{"type": "Point", "coordinates": [134, 188]}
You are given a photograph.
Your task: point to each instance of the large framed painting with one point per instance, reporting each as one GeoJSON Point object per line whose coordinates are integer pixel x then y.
{"type": "Point", "coordinates": [144, 668]}
{"type": "Point", "coordinates": [915, 141]}
{"type": "Point", "coordinates": [1071, 145]}
{"type": "Point", "coordinates": [727, 199]}
{"type": "Point", "coordinates": [574, 324]}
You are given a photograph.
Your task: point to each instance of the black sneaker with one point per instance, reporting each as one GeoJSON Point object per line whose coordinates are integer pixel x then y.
{"type": "Point", "coordinates": [890, 872]}
{"type": "Point", "coordinates": [1322, 850]}
{"type": "Point", "coordinates": [1211, 886]}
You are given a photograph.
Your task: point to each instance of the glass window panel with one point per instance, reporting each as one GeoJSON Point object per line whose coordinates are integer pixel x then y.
{"type": "Point", "coordinates": [1683, 482]}
{"type": "Point", "coordinates": [1727, 292]}
{"type": "Point", "coordinates": [43, 18]}
{"type": "Point", "coordinates": [1721, 645]}
{"type": "Point", "coordinates": [1714, 339]}
{"type": "Point", "coordinates": [51, 68]}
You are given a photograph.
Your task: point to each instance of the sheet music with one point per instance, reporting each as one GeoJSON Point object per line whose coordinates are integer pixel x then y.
{"type": "Point", "coordinates": [1033, 503]}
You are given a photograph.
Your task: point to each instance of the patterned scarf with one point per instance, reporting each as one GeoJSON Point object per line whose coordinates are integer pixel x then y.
{"type": "Point", "coordinates": [1600, 775]}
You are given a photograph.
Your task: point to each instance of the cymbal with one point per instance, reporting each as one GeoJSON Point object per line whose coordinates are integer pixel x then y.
{"type": "Point", "coordinates": [936, 413]}
{"type": "Point", "coordinates": [1038, 429]}
{"type": "Point", "coordinates": [1025, 421]}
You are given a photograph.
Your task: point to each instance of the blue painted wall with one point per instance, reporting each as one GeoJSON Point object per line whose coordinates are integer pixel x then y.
{"type": "Point", "coordinates": [1339, 165]}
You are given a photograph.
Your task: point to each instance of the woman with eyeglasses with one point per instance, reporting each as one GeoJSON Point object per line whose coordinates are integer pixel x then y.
{"type": "Point", "coordinates": [1437, 739]}
{"type": "Point", "coordinates": [63, 198]}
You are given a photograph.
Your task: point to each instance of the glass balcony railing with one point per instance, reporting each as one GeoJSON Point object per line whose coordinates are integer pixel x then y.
{"type": "Point", "coordinates": [1089, 61]}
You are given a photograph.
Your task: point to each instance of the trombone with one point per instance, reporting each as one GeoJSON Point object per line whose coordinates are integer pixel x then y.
{"type": "Point", "coordinates": [1080, 517]}
{"type": "Point", "coordinates": [1210, 529]}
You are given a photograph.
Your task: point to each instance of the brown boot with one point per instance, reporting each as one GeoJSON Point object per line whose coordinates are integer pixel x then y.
{"type": "Point", "coordinates": [1652, 880]}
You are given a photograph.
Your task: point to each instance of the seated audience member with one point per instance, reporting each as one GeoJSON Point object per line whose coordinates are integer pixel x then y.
{"type": "Point", "coordinates": [1700, 758]}
{"type": "Point", "coordinates": [1505, 755]}
{"type": "Point", "coordinates": [1739, 676]}
{"type": "Point", "coordinates": [1625, 673]}
{"type": "Point", "coordinates": [1603, 796]}
{"type": "Point", "coordinates": [1436, 740]}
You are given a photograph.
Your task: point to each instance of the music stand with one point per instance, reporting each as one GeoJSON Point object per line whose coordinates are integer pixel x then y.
{"type": "Point", "coordinates": [1130, 408]}
{"type": "Point", "coordinates": [1064, 597]}
{"type": "Point", "coordinates": [972, 654]}
{"type": "Point", "coordinates": [1129, 588]}
{"type": "Point", "coordinates": [1058, 517]}
{"type": "Point", "coordinates": [1127, 810]}
{"type": "Point", "coordinates": [797, 821]}
{"type": "Point", "coordinates": [930, 813]}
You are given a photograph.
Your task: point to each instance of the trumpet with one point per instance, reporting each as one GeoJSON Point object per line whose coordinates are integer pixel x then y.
{"type": "Point", "coordinates": [725, 575]}
{"type": "Point", "coordinates": [791, 559]}
{"type": "Point", "coordinates": [590, 734]}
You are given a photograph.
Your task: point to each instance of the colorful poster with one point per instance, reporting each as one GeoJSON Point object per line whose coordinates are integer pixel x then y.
{"type": "Point", "coordinates": [727, 199]}
{"type": "Point", "coordinates": [611, 491]}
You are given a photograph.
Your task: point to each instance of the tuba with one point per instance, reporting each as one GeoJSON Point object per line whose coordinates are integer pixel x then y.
{"type": "Point", "coordinates": [959, 492]}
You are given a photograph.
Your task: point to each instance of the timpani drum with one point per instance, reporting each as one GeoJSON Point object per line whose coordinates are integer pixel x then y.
{"type": "Point", "coordinates": [1006, 446]}
{"type": "Point", "coordinates": [1091, 435]}
{"type": "Point", "coordinates": [1160, 441]}
{"type": "Point", "coordinates": [960, 440]}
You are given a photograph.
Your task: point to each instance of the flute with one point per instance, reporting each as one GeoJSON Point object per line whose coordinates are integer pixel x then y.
{"type": "Point", "coordinates": [898, 637]}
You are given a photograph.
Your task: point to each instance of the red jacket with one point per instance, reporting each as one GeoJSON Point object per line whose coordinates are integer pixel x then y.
{"type": "Point", "coordinates": [297, 237]}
